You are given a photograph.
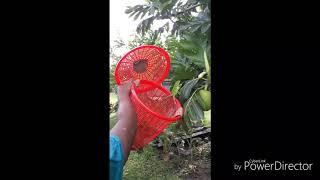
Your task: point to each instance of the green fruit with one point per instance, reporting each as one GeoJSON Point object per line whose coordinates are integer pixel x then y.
{"type": "Point", "coordinates": [207, 118]}
{"type": "Point", "coordinates": [206, 97]}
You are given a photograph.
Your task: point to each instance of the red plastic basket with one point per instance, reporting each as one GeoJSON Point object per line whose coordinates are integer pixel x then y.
{"type": "Point", "coordinates": [144, 63]}
{"type": "Point", "coordinates": [156, 108]}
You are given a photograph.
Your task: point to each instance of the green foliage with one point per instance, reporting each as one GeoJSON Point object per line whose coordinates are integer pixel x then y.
{"type": "Point", "coordinates": [185, 91]}
{"type": "Point", "coordinates": [147, 165]}
{"type": "Point", "coordinates": [188, 46]}
{"type": "Point", "coordinates": [176, 87]}
{"type": "Point", "coordinates": [115, 58]}
{"type": "Point", "coordinates": [193, 112]}
{"type": "Point", "coordinates": [176, 11]}
{"type": "Point", "coordinates": [150, 38]}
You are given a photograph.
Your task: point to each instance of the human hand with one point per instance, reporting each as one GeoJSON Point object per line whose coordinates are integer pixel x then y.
{"type": "Point", "coordinates": [124, 89]}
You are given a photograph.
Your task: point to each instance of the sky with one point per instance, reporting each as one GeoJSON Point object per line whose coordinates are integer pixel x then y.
{"type": "Point", "coordinates": [121, 26]}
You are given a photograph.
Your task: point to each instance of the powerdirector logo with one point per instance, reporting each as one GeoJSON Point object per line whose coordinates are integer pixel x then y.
{"type": "Point", "coordinates": [263, 165]}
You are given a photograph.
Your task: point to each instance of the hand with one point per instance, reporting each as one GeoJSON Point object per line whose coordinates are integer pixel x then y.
{"type": "Point", "coordinates": [124, 89]}
{"type": "Point", "coordinates": [126, 126]}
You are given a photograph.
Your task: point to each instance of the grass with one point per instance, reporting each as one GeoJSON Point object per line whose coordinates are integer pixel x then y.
{"type": "Point", "coordinates": [149, 164]}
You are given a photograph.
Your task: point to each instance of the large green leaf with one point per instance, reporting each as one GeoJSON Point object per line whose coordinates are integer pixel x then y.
{"type": "Point", "coordinates": [205, 27]}
{"type": "Point", "coordinates": [132, 9]}
{"type": "Point", "coordinates": [185, 91]}
{"type": "Point", "coordinates": [196, 109]}
{"type": "Point", "coordinates": [133, 13]}
{"type": "Point", "coordinates": [187, 52]}
{"type": "Point", "coordinates": [192, 110]}
{"type": "Point", "coordinates": [137, 15]}
{"type": "Point", "coordinates": [181, 72]}
{"type": "Point", "coordinates": [152, 10]}
{"type": "Point", "coordinates": [164, 4]}
{"type": "Point", "coordinates": [199, 100]}
{"type": "Point", "coordinates": [195, 28]}
{"type": "Point", "coordinates": [196, 59]}
{"type": "Point", "coordinates": [198, 38]}
{"type": "Point", "coordinates": [144, 12]}
{"type": "Point", "coordinates": [128, 10]}
{"type": "Point", "coordinates": [144, 25]}
{"type": "Point", "coordinates": [175, 88]}
{"type": "Point", "coordinates": [188, 44]}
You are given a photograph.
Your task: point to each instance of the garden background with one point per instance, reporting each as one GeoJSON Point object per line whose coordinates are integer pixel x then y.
{"type": "Point", "coordinates": [183, 29]}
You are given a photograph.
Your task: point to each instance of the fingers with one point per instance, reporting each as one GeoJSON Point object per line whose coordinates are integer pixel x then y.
{"type": "Point", "coordinates": [136, 82]}
{"type": "Point", "coordinates": [126, 84]}
{"type": "Point", "coordinates": [130, 81]}
{"type": "Point", "coordinates": [124, 88]}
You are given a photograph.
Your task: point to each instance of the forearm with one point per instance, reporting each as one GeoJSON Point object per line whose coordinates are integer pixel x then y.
{"type": "Point", "coordinates": [126, 125]}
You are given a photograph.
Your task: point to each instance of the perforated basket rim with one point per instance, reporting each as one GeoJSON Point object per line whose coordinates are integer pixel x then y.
{"type": "Point", "coordinates": [177, 103]}
{"type": "Point", "coordinates": [166, 55]}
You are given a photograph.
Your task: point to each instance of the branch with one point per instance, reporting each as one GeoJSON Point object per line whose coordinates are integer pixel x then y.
{"type": "Point", "coordinates": [170, 19]}
{"type": "Point", "coordinates": [173, 15]}
{"type": "Point", "coordinates": [188, 9]}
